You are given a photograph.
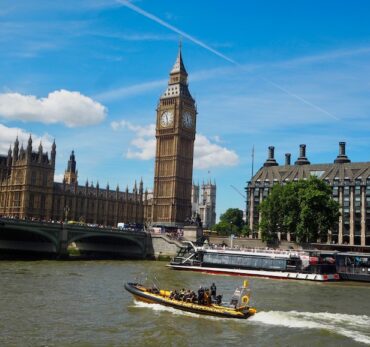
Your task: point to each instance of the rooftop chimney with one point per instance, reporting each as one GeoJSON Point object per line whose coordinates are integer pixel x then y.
{"type": "Point", "coordinates": [302, 160]}
{"type": "Point", "coordinates": [287, 158]}
{"type": "Point", "coordinates": [342, 158]}
{"type": "Point", "coordinates": [270, 160]}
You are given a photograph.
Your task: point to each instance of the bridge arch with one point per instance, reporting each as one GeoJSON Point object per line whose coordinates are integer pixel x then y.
{"type": "Point", "coordinates": [120, 244]}
{"type": "Point", "coordinates": [26, 238]}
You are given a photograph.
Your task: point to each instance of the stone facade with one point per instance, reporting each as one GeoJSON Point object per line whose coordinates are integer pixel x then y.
{"type": "Point", "coordinates": [175, 135]}
{"type": "Point", "coordinates": [203, 200]}
{"type": "Point", "coordinates": [28, 190]}
{"type": "Point", "coordinates": [351, 188]}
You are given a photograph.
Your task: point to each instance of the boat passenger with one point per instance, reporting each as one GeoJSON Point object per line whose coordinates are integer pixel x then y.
{"type": "Point", "coordinates": [219, 299]}
{"type": "Point", "coordinates": [207, 298]}
{"type": "Point", "coordinates": [213, 291]}
{"type": "Point", "coordinates": [200, 296]}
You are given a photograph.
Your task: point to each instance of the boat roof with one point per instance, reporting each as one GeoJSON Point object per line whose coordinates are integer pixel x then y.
{"type": "Point", "coordinates": [354, 254]}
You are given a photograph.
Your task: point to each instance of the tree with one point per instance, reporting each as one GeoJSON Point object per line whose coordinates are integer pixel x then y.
{"type": "Point", "coordinates": [231, 222]}
{"type": "Point", "coordinates": [304, 208]}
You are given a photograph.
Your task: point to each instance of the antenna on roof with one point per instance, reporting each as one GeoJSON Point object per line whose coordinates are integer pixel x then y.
{"type": "Point", "coordinates": [252, 161]}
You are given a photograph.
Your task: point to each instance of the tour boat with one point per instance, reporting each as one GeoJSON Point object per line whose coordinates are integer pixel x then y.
{"type": "Point", "coordinates": [238, 307]}
{"type": "Point", "coordinates": [272, 263]}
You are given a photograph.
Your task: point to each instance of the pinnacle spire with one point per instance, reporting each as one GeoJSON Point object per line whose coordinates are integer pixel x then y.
{"type": "Point", "coordinates": [179, 64]}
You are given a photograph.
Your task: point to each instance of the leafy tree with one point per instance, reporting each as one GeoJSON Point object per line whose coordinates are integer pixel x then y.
{"type": "Point", "coordinates": [231, 222]}
{"type": "Point", "coordinates": [304, 208]}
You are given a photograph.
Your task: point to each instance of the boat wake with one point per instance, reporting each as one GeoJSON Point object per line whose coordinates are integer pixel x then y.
{"type": "Point", "coordinates": [351, 326]}
{"type": "Point", "coordinates": [159, 308]}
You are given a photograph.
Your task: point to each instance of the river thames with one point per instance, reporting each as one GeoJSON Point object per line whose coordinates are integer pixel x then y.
{"type": "Point", "coordinates": [83, 303]}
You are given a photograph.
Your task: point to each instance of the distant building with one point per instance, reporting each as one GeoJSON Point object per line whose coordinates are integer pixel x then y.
{"type": "Point", "coordinates": [350, 183]}
{"type": "Point", "coordinates": [203, 201]}
{"type": "Point", "coordinates": [28, 190]}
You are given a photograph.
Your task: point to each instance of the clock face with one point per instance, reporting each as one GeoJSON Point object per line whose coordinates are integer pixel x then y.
{"type": "Point", "coordinates": [187, 120]}
{"type": "Point", "coordinates": [166, 119]}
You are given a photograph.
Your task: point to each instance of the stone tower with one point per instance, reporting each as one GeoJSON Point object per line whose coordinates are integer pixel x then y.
{"type": "Point", "coordinates": [70, 175]}
{"type": "Point", "coordinates": [207, 206]}
{"type": "Point", "coordinates": [175, 135]}
{"type": "Point", "coordinates": [27, 188]}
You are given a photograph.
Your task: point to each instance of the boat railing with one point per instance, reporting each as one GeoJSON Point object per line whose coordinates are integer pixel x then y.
{"type": "Point", "coordinates": [291, 253]}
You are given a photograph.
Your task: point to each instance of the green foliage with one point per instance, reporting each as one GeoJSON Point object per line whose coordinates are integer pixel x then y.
{"type": "Point", "coordinates": [231, 222]}
{"type": "Point", "coordinates": [304, 208]}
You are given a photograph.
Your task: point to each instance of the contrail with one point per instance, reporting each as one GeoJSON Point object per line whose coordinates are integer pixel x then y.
{"type": "Point", "coordinates": [176, 30]}
{"type": "Point", "coordinates": [154, 18]}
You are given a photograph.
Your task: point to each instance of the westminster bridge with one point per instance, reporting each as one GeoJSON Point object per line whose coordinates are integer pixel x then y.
{"type": "Point", "coordinates": [22, 238]}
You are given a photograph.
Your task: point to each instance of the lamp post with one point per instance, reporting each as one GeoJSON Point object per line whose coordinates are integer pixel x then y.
{"type": "Point", "coordinates": [66, 211]}
{"type": "Point", "coordinates": [231, 235]}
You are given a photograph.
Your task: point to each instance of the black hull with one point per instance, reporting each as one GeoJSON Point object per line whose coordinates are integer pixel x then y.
{"type": "Point", "coordinates": [355, 277]}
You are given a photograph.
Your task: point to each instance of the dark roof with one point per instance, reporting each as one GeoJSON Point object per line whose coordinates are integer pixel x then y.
{"type": "Point", "coordinates": [331, 172]}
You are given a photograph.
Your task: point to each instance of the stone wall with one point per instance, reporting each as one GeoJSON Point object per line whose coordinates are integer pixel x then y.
{"type": "Point", "coordinates": [164, 248]}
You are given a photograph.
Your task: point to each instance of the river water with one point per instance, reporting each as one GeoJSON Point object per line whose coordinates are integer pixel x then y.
{"type": "Point", "coordinates": [83, 303]}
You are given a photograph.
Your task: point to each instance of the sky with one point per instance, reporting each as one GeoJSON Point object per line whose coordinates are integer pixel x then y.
{"type": "Point", "coordinates": [89, 74]}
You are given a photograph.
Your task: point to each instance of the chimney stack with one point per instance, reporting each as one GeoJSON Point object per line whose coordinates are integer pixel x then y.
{"type": "Point", "coordinates": [302, 160]}
{"type": "Point", "coordinates": [342, 157]}
{"type": "Point", "coordinates": [287, 158]}
{"type": "Point", "coordinates": [270, 160]}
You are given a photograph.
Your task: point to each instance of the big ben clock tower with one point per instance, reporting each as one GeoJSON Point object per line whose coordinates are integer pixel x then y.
{"type": "Point", "coordinates": [175, 135]}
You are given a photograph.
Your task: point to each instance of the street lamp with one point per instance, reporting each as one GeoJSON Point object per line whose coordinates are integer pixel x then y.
{"type": "Point", "coordinates": [66, 211]}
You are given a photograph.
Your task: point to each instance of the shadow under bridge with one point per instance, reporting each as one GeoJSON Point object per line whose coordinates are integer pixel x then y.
{"type": "Point", "coordinates": [109, 245]}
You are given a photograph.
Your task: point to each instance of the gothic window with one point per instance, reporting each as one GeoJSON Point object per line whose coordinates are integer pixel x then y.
{"type": "Point", "coordinates": [42, 201]}
{"type": "Point", "coordinates": [45, 180]}
{"type": "Point", "coordinates": [17, 199]}
{"type": "Point", "coordinates": [32, 201]}
{"type": "Point", "coordinates": [33, 177]}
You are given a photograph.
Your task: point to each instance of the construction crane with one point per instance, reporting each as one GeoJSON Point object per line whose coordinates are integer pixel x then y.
{"type": "Point", "coordinates": [239, 192]}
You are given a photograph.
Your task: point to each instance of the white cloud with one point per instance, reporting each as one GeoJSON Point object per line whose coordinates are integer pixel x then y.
{"type": "Point", "coordinates": [61, 106]}
{"type": "Point", "coordinates": [8, 136]}
{"type": "Point", "coordinates": [206, 153]}
{"type": "Point", "coordinates": [141, 131]}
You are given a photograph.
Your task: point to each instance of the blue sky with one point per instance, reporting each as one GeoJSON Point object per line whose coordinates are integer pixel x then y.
{"type": "Point", "coordinates": [89, 74]}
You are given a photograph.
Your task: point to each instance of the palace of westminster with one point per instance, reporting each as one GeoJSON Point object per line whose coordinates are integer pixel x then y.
{"type": "Point", "coordinates": [28, 190]}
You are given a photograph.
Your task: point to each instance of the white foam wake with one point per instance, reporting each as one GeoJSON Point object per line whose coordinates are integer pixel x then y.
{"type": "Point", "coordinates": [158, 308]}
{"type": "Point", "coordinates": [352, 326]}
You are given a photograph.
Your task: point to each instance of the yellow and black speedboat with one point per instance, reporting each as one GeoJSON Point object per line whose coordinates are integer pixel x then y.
{"type": "Point", "coordinates": [238, 307]}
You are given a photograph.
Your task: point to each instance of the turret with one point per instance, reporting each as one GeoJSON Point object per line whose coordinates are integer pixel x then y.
{"type": "Point", "coordinates": [141, 187]}
{"type": "Point", "coordinates": [53, 154]}
{"type": "Point", "coordinates": [40, 153]}
{"type": "Point", "coordinates": [21, 152]}
{"type": "Point", "coordinates": [16, 150]}
{"type": "Point", "coordinates": [71, 173]}
{"type": "Point", "coordinates": [117, 192]}
{"type": "Point", "coordinates": [29, 147]}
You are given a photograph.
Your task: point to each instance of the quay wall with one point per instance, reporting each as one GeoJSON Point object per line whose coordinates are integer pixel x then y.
{"type": "Point", "coordinates": [164, 248]}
